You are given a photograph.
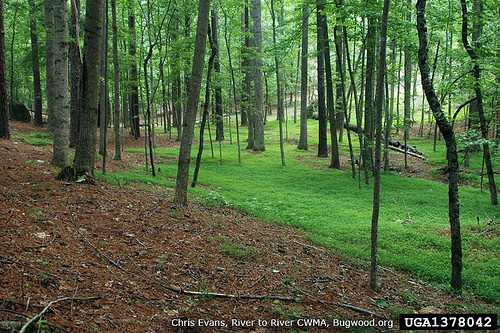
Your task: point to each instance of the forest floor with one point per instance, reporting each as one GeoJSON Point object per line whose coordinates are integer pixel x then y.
{"type": "Point", "coordinates": [128, 260]}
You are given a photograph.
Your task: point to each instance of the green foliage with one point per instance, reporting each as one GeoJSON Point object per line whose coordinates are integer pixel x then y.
{"type": "Point", "coordinates": [238, 251]}
{"type": "Point", "coordinates": [34, 142]}
{"type": "Point", "coordinates": [336, 214]}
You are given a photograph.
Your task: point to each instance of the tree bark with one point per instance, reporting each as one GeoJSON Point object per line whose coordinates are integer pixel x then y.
{"type": "Point", "coordinates": [116, 65]}
{"type": "Point", "coordinates": [134, 90]}
{"type": "Point", "coordinates": [335, 161]}
{"type": "Point", "coordinates": [213, 48]}
{"type": "Point", "coordinates": [407, 85]}
{"type": "Point", "coordinates": [50, 85]}
{"type": "Point", "coordinates": [37, 87]}
{"type": "Point", "coordinates": [322, 140]}
{"type": "Point", "coordinates": [258, 105]}
{"type": "Point", "coordinates": [103, 92]}
{"type": "Point", "coordinates": [4, 94]}
{"type": "Point", "coordinates": [369, 91]}
{"type": "Point", "coordinates": [86, 144]}
{"type": "Point", "coordinates": [379, 103]}
{"type": "Point", "coordinates": [76, 72]}
{"type": "Point", "coordinates": [479, 104]}
{"type": "Point", "coordinates": [192, 103]}
{"type": "Point", "coordinates": [245, 66]}
{"type": "Point", "coordinates": [61, 106]}
{"type": "Point", "coordinates": [451, 148]}
{"type": "Point", "coordinates": [303, 77]}
{"type": "Point", "coordinates": [279, 86]}
{"type": "Point", "coordinates": [219, 120]}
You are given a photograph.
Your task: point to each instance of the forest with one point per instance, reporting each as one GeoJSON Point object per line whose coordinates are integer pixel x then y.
{"type": "Point", "coordinates": [248, 165]}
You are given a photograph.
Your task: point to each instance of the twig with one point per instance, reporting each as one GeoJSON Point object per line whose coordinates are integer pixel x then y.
{"type": "Point", "coordinates": [138, 241]}
{"type": "Point", "coordinates": [20, 314]}
{"type": "Point", "coordinates": [216, 295]}
{"type": "Point", "coordinates": [10, 262]}
{"type": "Point", "coordinates": [47, 307]}
{"type": "Point", "coordinates": [102, 255]}
{"type": "Point", "coordinates": [255, 283]}
{"type": "Point", "coordinates": [310, 246]}
{"type": "Point", "coordinates": [352, 307]}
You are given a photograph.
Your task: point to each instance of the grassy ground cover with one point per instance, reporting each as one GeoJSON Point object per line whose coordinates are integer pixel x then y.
{"type": "Point", "coordinates": [414, 229]}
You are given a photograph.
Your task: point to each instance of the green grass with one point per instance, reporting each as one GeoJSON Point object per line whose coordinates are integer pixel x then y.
{"type": "Point", "coordinates": [413, 227]}
{"type": "Point", "coordinates": [40, 135]}
{"type": "Point", "coordinates": [34, 142]}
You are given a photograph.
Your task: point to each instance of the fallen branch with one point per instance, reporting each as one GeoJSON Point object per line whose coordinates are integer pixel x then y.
{"type": "Point", "coordinates": [47, 307]}
{"type": "Point", "coordinates": [402, 151]}
{"type": "Point", "coordinates": [102, 255]}
{"type": "Point", "coordinates": [348, 306]}
{"type": "Point", "coordinates": [217, 295]}
{"type": "Point", "coordinates": [393, 144]}
{"type": "Point", "coordinates": [16, 325]}
{"type": "Point", "coordinates": [310, 246]}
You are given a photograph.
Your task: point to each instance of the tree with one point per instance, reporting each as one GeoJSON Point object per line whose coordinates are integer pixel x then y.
{"type": "Point", "coordinates": [451, 148]}
{"type": "Point", "coordinates": [192, 103]}
{"type": "Point", "coordinates": [379, 103]}
{"type": "Point", "coordinates": [116, 65]}
{"type": "Point", "coordinates": [219, 116]}
{"type": "Point", "coordinates": [278, 86]}
{"type": "Point", "coordinates": [4, 94]}
{"type": "Point", "coordinates": [134, 90]}
{"type": "Point", "coordinates": [407, 85]}
{"type": "Point", "coordinates": [60, 78]}
{"type": "Point", "coordinates": [303, 77]}
{"type": "Point", "coordinates": [76, 71]}
{"type": "Point", "coordinates": [322, 141]}
{"type": "Point", "coordinates": [37, 88]}
{"type": "Point", "coordinates": [479, 104]}
{"type": "Point", "coordinates": [335, 161]}
{"type": "Point", "coordinates": [49, 62]}
{"type": "Point", "coordinates": [258, 105]}
{"type": "Point", "coordinates": [369, 91]}
{"type": "Point", "coordinates": [86, 144]}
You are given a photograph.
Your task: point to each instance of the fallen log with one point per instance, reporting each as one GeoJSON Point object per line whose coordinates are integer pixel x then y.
{"type": "Point", "coordinates": [393, 144]}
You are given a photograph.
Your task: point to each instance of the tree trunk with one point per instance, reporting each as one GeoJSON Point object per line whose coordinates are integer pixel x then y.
{"type": "Point", "coordinates": [4, 94]}
{"type": "Point", "coordinates": [213, 48]}
{"type": "Point", "coordinates": [335, 161]}
{"type": "Point", "coordinates": [479, 103]}
{"type": "Point", "coordinates": [192, 103]}
{"type": "Point", "coordinates": [278, 86]}
{"type": "Point", "coordinates": [407, 85]}
{"type": "Point", "coordinates": [134, 90]}
{"type": "Point", "coordinates": [116, 65]}
{"type": "Point", "coordinates": [233, 84]}
{"type": "Point", "coordinates": [369, 90]}
{"type": "Point", "coordinates": [37, 87]}
{"type": "Point", "coordinates": [12, 53]}
{"type": "Point", "coordinates": [219, 120]}
{"type": "Point", "coordinates": [103, 92]}
{"type": "Point", "coordinates": [61, 106]}
{"type": "Point", "coordinates": [322, 140]}
{"type": "Point", "coordinates": [50, 85]}
{"type": "Point", "coordinates": [76, 72]}
{"type": "Point", "coordinates": [86, 143]}
{"type": "Point", "coordinates": [245, 66]}
{"type": "Point", "coordinates": [379, 103]}
{"type": "Point", "coordinates": [303, 77]}
{"type": "Point", "coordinates": [258, 106]}
{"type": "Point", "coordinates": [451, 148]}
